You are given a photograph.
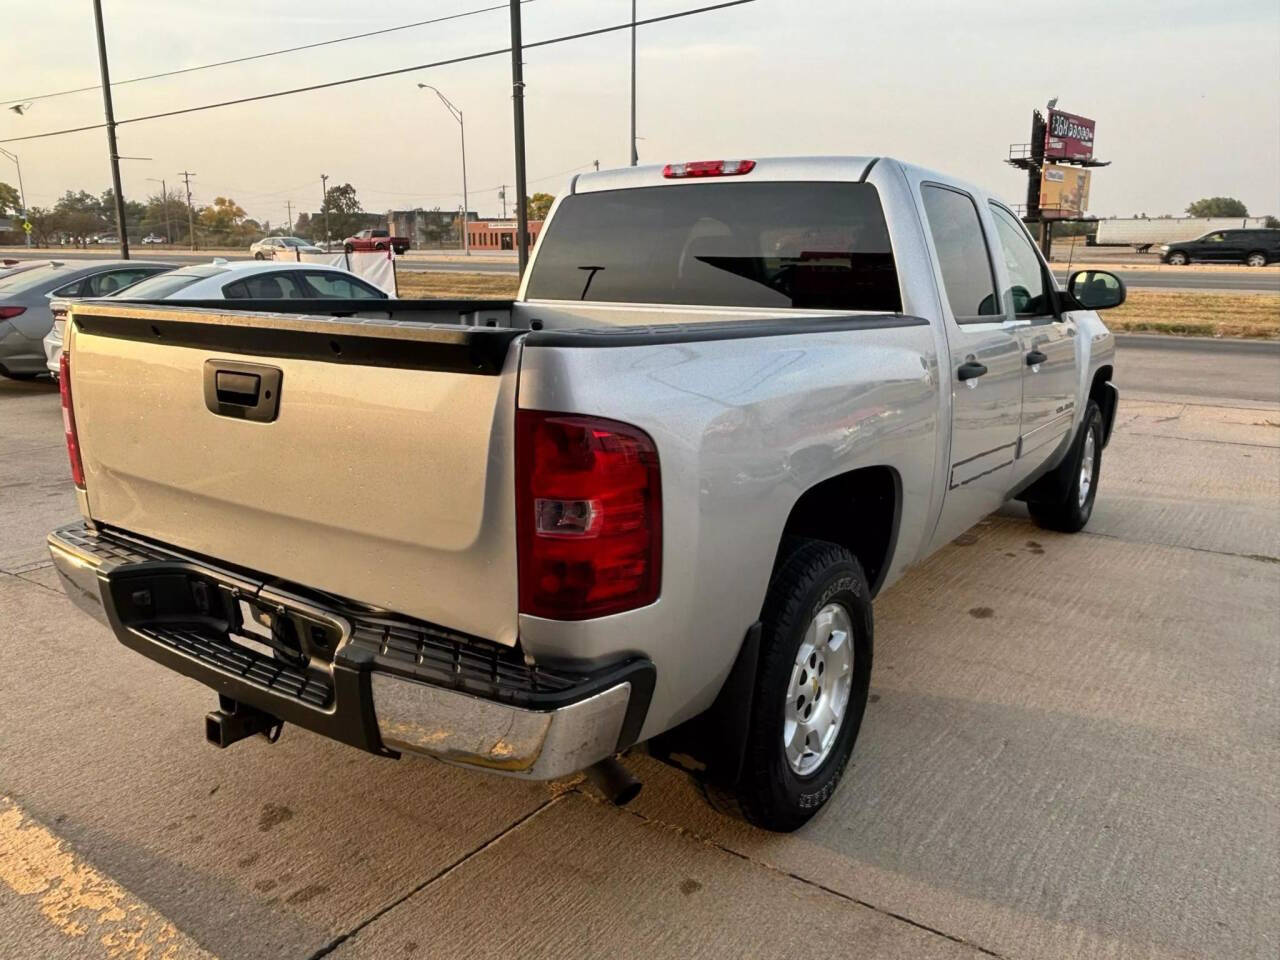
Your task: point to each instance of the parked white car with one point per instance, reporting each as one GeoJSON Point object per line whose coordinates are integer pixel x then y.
{"type": "Point", "coordinates": [270, 248]}
{"type": "Point", "coordinates": [152, 238]}
{"type": "Point", "coordinates": [229, 280]}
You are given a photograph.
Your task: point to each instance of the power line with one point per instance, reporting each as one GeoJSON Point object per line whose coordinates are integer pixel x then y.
{"type": "Point", "coordinates": [269, 53]}
{"type": "Point", "coordinates": [390, 73]}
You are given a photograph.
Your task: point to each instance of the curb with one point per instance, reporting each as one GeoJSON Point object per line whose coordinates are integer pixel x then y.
{"type": "Point", "coordinates": [1167, 341]}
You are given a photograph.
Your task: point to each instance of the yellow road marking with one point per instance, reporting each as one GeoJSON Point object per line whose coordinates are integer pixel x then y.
{"type": "Point", "coordinates": [81, 902]}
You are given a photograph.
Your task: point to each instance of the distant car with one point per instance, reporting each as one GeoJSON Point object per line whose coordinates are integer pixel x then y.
{"type": "Point", "coordinates": [269, 248]}
{"type": "Point", "coordinates": [152, 238]}
{"type": "Point", "coordinates": [375, 239]}
{"type": "Point", "coordinates": [110, 241]}
{"type": "Point", "coordinates": [227, 280]}
{"type": "Point", "coordinates": [25, 314]}
{"type": "Point", "coordinates": [1256, 248]}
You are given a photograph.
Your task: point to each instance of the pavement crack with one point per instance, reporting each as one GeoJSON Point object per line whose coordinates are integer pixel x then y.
{"type": "Point", "coordinates": [1260, 557]}
{"type": "Point", "coordinates": [342, 938]}
{"type": "Point", "coordinates": [883, 911]}
{"type": "Point", "coordinates": [1229, 443]}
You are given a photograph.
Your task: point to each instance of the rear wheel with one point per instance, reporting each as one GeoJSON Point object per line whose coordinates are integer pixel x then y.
{"type": "Point", "coordinates": [811, 685]}
{"type": "Point", "coordinates": [1071, 512]}
{"type": "Point", "coordinates": [259, 256]}
{"type": "Point", "coordinates": [1177, 259]}
{"type": "Point", "coordinates": [1256, 259]}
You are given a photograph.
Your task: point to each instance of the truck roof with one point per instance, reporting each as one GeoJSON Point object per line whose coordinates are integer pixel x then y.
{"type": "Point", "coordinates": [766, 168]}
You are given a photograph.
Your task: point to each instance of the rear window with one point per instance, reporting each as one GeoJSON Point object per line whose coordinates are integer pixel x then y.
{"type": "Point", "coordinates": [29, 279]}
{"type": "Point", "coordinates": [821, 246]}
{"type": "Point", "coordinates": [159, 286]}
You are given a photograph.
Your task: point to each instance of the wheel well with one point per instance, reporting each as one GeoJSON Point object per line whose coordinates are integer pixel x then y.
{"type": "Point", "coordinates": [858, 510]}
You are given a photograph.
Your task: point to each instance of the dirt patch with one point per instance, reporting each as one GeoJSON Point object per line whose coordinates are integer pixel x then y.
{"type": "Point", "coordinates": [456, 285]}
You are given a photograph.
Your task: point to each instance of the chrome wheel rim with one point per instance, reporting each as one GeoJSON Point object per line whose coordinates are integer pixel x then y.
{"type": "Point", "coordinates": [818, 694]}
{"type": "Point", "coordinates": [1086, 468]}
{"type": "Point", "coordinates": [1257, 260]}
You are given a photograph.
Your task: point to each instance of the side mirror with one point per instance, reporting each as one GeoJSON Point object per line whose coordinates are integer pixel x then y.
{"type": "Point", "coordinates": [1096, 289]}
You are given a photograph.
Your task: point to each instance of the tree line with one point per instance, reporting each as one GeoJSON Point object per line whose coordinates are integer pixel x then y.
{"type": "Point", "coordinates": [79, 218]}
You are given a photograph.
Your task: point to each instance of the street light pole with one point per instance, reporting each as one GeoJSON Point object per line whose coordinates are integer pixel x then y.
{"type": "Point", "coordinates": [111, 129]}
{"type": "Point", "coordinates": [164, 199]}
{"type": "Point", "coordinates": [324, 205]}
{"type": "Point", "coordinates": [635, 158]}
{"type": "Point", "coordinates": [517, 103]}
{"type": "Point", "coordinates": [22, 194]}
{"type": "Point", "coordinates": [462, 130]}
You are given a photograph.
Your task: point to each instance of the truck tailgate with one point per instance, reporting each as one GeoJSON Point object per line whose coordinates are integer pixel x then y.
{"type": "Point", "coordinates": [384, 473]}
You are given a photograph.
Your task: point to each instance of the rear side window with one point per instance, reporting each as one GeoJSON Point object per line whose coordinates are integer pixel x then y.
{"type": "Point", "coordinates": [821, 246]}
{"type": "Point", "coordinates": [962, 253]}
{"type": "Point", "coordinates": [264, 286]}
{"type": "Point", "coordinates": [325, 283]}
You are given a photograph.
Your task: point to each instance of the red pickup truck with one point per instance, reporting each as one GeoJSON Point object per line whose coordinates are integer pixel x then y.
{"type": "Point", "coordinates": [374, 239]}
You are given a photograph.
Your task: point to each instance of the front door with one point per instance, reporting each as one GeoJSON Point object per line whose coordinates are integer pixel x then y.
{"type": "Point", "coordinates": [1048, 346]}
{"type": "Point", "coordinates": [986, 363]}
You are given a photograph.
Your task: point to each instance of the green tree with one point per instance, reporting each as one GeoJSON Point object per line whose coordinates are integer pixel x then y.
{"type": "Point", "coordinates": [539, 205]}
{"type": "Point", "coordinates": [42, 225]}
{"type": "Point", "coordinates": [78, 215]}
{"type": "Point", "coordinates": [1272, 223]}
{"type": "Point", "coordinates": [154, 218]}
{"type": "Point", "coordinates": [343, 208]}
{"type": "Point", "coordinates": [1217, 207]}
{"type": "Point", "coordinates": [10, 202]}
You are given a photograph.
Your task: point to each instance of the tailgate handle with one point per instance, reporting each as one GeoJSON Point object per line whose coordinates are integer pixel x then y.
{"type": "Point", "coordinates": [237, 388]}
{"type": "Point", "coordinates": [246, 391]}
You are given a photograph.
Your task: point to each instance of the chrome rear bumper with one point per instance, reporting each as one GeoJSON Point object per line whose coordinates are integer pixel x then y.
{"type": "Point", "coordinates": [379, 682]}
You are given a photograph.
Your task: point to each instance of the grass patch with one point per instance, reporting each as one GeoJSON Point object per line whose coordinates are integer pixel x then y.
{"type": "Point", "coordinates": [1184, 312]}
{"type": "Point", "coordinates": [1194, 314]}
{"type": "Point", "coordinates": [456, 285]}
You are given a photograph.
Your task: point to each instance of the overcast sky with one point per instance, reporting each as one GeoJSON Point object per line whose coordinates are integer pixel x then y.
{"type": "Point", "coordinates": [1184, 92]}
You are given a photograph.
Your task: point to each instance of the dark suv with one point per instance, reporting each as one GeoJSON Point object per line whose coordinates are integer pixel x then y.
{"type": "Point", "coordinates": [1256, 248]}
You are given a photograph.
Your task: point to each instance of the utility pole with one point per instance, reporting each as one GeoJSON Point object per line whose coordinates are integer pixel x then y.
{"type": "Point", "coordinates": [324, 205]}
{"type": "Point", "coordinates": [111, 129]}
{"type": "Point", "coordinates": [22, 194]}
{"type": "Point", "coordinates": [517, 101]}
{"type": "Point", "coordinates": [597, 163]}
{"type": "Point", "coordinates": [191, 217]}
{"type": "Point", "coordinates": [635, 158]}
{"type": "Point", "coordinates": [164, 200]}
{"type": "Point", "coordinates": [289, 206]}
{"type": "Point", "coordinates": [502, 195]}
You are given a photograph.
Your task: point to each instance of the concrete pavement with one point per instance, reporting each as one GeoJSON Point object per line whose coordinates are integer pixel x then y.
{"type": "Point", "coordinates": [1070, 752]}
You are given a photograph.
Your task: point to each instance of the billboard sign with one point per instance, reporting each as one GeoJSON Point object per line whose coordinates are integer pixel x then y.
{"type": "Point", "coordinates": [1068, 137]}
{"type": "Point", "coordinates": [1064, 192]}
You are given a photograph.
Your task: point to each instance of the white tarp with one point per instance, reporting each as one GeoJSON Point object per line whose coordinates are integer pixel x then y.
{"type": "Point", "coordinates": [376, 266]}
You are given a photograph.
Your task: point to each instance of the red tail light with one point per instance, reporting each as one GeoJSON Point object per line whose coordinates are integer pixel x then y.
{"type": "Point", "coordinates": [69, 420]}
{"type": "Point", "coordinates": [588, 514]}
{"type": "Point", "coordinates": [8, 313]}
{"type": "Point", "coordinates": [708, 168]}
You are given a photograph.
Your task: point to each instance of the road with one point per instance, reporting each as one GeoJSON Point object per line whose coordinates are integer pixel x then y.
{"type": "Point", "coordinates": [1189, 278]}
{"type": "Point", "coordinates": [1070, 752]}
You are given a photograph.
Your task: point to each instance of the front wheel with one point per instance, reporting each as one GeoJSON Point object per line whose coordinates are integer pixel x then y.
{"type": "Point", "coordinates": [1071, 512]}
{"type": "Point", "coordinates": [1177, 259]}
{"type": "Point", "coordinates": [1256, 259]}
{"type": "Point", "coordinates": [811, 686]}
{"type": "Point", "coordinates": [348, 248]}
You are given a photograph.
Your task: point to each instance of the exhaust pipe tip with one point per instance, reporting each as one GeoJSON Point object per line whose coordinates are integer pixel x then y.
{"type": "Point", "coordinates": [614, 780]}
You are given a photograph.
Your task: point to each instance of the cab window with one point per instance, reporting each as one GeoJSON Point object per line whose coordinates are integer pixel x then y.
{"type": "Point", "coordinates": [1027, 294]}
{"type": "Point", "coordinates": [957, 235]}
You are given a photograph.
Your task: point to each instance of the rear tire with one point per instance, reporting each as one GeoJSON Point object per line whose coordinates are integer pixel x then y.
{"type": "Point", "coordinates": [1177, 259]}
{"type": "Point", "coordinates": [811, 685]}
{"type": "Point", "coordinates": [259, 256]}
{"type": "Point", "coordinates": [1256, 259]}
{"type": "Point", "coordinates": [1084, 463]}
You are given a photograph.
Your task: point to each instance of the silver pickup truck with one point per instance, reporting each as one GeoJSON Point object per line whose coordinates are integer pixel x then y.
{"type": "Point", "coordinates": [650, 500]}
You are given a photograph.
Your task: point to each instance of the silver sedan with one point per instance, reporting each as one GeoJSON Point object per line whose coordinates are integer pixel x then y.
{"type": "Point", "coordinates": [25, 314]}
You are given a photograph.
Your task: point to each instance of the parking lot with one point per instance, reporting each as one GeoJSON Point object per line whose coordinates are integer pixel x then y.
{"type": "Point", "coordinates": [1072, 750]}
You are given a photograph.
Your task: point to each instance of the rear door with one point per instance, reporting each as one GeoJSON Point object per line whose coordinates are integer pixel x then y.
{"type": "Point", "coordinates": [1048, 343]}
{"type": "Point", "coordinates": [986, 361]}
